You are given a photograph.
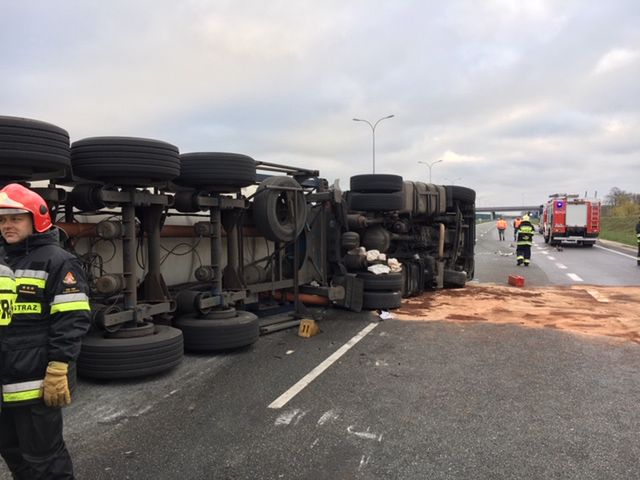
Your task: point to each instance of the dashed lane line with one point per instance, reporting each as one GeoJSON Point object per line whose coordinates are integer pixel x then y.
{"type": "Point", "coordinates": [574, 277]}
{"type": "Point", "coordinates": [283, 399]}
{"type": "Point", "coordinates": [562, 266]}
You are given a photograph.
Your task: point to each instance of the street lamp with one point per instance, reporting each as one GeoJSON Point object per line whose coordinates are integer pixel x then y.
{"type": "Point", "coordinates": [373, 131]}
{"type": "Point", "coordinates": [430, 165]}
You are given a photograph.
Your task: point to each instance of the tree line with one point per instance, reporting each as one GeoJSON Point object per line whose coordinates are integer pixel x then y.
{"type": "Point", "coordinates": [619, 203]}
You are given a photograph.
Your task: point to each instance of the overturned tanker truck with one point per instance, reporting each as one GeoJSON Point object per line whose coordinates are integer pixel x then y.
{"type": "Point", "coordinates": [197, 251]}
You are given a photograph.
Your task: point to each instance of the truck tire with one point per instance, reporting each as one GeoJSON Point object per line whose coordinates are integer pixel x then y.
{"type": "Point", "coordinates": [376, 183]}
{"type": "Point", "coordinates": [373, 300]}
{"type": "Point", "coordinates": [463, 197]}
{"type": "Point", "coordinates": [376, 202]}
{"type": "Point", "coordinates": [216, 171]}
{"type": "Point", "coordinates": [383, 282]}
{"type": "Point", "coordinates": [125, 160]}
{"type": "Point", "coordinates": [32, 150]}
{"type": "Point", "coordinates": [271, 213]}
{"type": "Point", "coordinates": [110, 358]}
{"type": "Point", "coordinates": [216, 334]}
{"type": "Point", "coordinates": [460, 194]}
{"type": "Point", "coordinates": [454, 279]}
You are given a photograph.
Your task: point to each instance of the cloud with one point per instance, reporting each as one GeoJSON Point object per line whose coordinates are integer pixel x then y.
{"type": "Point", "coordinates": [518, 98]}
{"type": "Point", "coordinates": [615, 59]}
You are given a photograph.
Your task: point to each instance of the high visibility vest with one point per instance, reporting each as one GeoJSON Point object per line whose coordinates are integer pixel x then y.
{"type": "Point", "coordinates": [501, 224]}
{"type": "Point", "coordinates": [7, 295]}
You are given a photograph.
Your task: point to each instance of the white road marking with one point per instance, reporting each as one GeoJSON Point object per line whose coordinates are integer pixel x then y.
{"type": "Point", "coordinates": [366, 435]}
{"type": "Point", "coordinates": [574, 277]}
{"type": "Point", "coordinates": [288, 417]}
{"type": "Point", "coordinates": [283, 399]}
{"type": "Point", "coordinates": [598, 296]}
{"type": "Point", "coordinates": [363, 461]}
{"type": "Point", "coordinates": [551, 258]}
{"type": "Point", "coordinates": [328, 415]}
{"type": "Point", "coordinates": [561, 266]}
{"type": "Point", "coordinates": [614, 251]}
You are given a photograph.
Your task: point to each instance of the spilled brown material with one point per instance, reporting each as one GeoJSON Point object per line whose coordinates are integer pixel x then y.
{"type": "Point", "coordinates": [611, 311]}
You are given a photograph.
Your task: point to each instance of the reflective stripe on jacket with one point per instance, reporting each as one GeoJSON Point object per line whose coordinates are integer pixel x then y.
{"type": "Point", "coordinates": [7, 295]}
{"type": "Point", "coordinates": [525, 234]}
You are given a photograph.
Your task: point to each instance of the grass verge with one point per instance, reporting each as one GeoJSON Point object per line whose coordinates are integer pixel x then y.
{"type": "Point", "coordinates": [619, 229]}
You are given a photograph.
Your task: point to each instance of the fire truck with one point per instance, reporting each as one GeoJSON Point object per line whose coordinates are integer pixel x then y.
{"type": "Point", "coordinates": [570, 219]}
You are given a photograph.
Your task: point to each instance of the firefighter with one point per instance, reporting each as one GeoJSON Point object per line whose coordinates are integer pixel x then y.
{"type": "Point", "coordinates": [501, 224]}
{"type": "Point", "coordinates": [638, 240]}
{"type": "Point", "coordinates": [516, 226]}
{"type": "Point", "coordinates": [50, 316]}
{"type": "Point", "coordinates": [524, 241]}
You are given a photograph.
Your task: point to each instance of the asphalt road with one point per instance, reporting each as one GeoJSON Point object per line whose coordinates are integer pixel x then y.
{"type": "Point", "coordinates": [409, 400]}
{"type": "Point", "coordinates": [607, 263]}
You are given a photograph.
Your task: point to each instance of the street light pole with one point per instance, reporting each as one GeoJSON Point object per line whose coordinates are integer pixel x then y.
{"type": "Point", "coordinates": [373, 131]}
{"type": "Point", "coordinates": [430, 165]}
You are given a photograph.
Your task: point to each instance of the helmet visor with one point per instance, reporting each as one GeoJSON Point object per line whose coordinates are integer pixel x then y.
{"type": "Point", "coordinates": [12, 211]}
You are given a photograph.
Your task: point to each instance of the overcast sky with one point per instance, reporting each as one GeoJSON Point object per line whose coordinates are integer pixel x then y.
{"type": "Point", "coordinates": [519, 98]}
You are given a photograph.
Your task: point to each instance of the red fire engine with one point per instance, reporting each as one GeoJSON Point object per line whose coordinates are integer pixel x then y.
{"type": "Point", "coordinates": [570, 219]}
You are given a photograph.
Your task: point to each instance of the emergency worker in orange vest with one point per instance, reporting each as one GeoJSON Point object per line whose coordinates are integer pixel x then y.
{"type": "Point", "coordinates": [516, 226]}
{"type": "Point", "coordinates": [501, 224]}
{"type": "Point", "coordinates": [41, 340]}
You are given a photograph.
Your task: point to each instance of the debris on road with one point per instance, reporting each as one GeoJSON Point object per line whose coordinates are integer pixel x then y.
{"type": "Point", "coordinates": [578, 308]}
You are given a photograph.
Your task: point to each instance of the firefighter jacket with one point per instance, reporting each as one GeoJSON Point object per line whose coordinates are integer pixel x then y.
{"type": "Point", "coordinates": [638, 232]}
{"type": "Point", "coordinates": [525, 233]}
{"type": "Point", "coordinates": [51, 313]}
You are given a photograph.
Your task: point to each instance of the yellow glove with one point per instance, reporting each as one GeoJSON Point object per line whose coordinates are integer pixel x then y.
{"type": "Point", "coordinates": [56, 388]}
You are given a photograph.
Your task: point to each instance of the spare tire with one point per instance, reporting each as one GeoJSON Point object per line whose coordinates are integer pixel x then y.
{"type": "Point", "coordinates": [125, 160]}
{"type": "Point", "coordinates": [272, 212]}
{"type": "Point", "coordinates": [32, 150]}
{"type": "Point", "coordinates": [216, 171]}
{"type": "Point", "coordinates": [380, 182]}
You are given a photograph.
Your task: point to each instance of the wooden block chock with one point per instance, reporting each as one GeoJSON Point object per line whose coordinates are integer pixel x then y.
{"type": "Point", "coordinates": [308, 328]}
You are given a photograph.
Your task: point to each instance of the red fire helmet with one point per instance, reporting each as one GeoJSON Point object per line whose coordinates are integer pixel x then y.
{"type": "Point", "coordinates": [14, 198]}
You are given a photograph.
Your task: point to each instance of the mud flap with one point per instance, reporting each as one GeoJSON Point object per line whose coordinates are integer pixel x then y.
{"type": "Point", "coordinates": [353, 291]}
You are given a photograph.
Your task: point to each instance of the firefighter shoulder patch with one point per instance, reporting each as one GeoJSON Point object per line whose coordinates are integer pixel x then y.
{"type": "Point", "coordinates": [69, 279]}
